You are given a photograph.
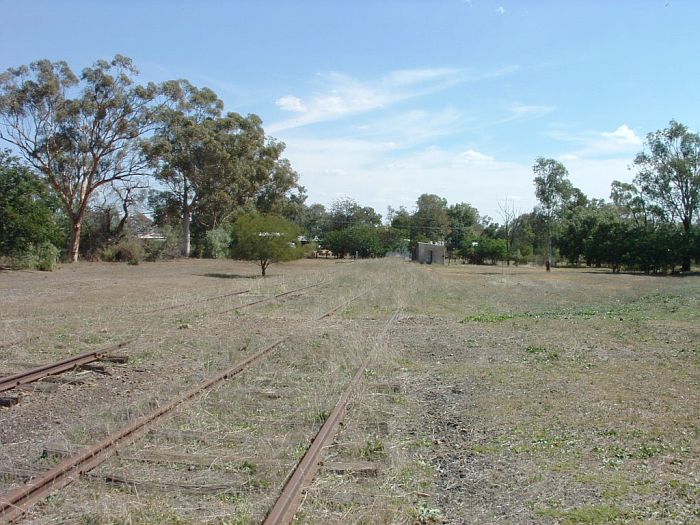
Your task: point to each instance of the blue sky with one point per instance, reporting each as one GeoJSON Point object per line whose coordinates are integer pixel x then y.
{"type": "Point", "coordinates": [383, 101]}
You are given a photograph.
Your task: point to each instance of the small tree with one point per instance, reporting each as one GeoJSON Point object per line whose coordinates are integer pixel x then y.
{"type": "Point", "coordinates": [481, 249]}
{"type": "Point", "coordinates": [266, 239]}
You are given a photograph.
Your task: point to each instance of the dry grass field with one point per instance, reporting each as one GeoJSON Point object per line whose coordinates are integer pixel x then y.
{"type": "Point", "coordinates": [498, 395]}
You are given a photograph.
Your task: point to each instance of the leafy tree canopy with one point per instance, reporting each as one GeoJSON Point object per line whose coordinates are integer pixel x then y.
{"type": "Point", "coordinates": [26, 208]}
{"type": "Point", "coordinates": [266, 239]}
{"type": "Point", "coordinates": [668, 175]}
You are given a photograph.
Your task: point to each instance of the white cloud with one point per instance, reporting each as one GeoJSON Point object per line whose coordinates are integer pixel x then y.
{"type": "Point", "coordinates": [380, 174]}
{"type": "Point", "coordinates": [594, 176]}
{"type": "Point", "coordinates": [413, 127]}
{"type": "Point", "coordinates": [624, 135]}
{"type": "Point", "coordinates": [501, 10]}
{"type": "Point", "coordinates": [344, 95]}
{"type": "Point", "coordinates": [291, 103]}
{"type": "Point", "coordinates": [622, 142]}
{"type": "Point", "coordinates": [472, 156]}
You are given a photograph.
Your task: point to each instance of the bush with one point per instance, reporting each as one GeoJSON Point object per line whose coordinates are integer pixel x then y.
{"type": "Point", "coordinates": [43, 257]}
{"type": "Point", "coordinates": [47, 257]}
{"type": "Point", "coordinates": [126, 250]}
{"type": "Point", "coordinates": [27, 212]}
{"type": "Point", "coordinates": [362, 240]}
{"type": "Point", "coordinates": [478, 251]}
{"type": "Point", "coordinates": [168, 248]}
{"type": "Point", "coordinates": [216, 243]}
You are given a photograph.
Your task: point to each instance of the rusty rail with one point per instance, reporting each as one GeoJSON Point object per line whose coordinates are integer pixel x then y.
{"type": "Point", "coordinates": [334, 310]}
{"type": "Point", "coordinates": [246, 305]}
{"type": "Point", "coordinates": [206, 299]}
{"type": "Point", "coordinates": [15, 503]}
{"type": "Point", "coordinates": [18, 501]}
{"type": "Point", "coordinates": [29, 376]}
{"type": "Point", "coordinates": [289, 499]}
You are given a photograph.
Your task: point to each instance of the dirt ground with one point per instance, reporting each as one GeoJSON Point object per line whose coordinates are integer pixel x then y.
{"type": "Point", "coordinates": [497, 395]}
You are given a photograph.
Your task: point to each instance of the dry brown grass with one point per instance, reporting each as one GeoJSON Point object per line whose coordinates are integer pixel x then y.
{"type": "Point", "coordinates": [501, 395]}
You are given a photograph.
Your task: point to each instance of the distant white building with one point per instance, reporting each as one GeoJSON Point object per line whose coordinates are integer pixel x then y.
{"type": "Point", "coordinates": [429, 253]}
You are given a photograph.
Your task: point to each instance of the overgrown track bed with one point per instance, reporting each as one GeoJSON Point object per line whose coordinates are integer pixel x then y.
{"type": "Point", "coordinates": [504, 395]}
{"type": "Point", "coordinates": [287, 504]}
{"type": "Point", "coordinates": [15, 380]}
{"type": "Point", "coordinates": [19, 500]}
{"type": "Point", "coordinates": [85, 311]}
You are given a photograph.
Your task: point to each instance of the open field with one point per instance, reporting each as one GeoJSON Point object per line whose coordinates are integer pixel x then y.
{"type": "Point", "coordinates": [499, 395]}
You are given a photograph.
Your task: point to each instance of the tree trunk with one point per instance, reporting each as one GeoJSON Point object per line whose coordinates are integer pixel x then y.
{"type": "Point", "coordinates": [186, 219]}
{"type": "Point", "coordinates": [74, 241]}
{"type": "Point", "coordinates": [685, 266]}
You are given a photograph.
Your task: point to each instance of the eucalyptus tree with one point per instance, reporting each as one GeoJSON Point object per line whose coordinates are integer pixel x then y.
{"type": "Point", "coordinates": [215, 165]}
{"type": "Point", "coordinates": [430, 220]}
{"type": "Point", "coordinates": [668, 175]}
{"type": "Point", "coordinates": [254, 173]}
{"type": "Point", "coordinates": [184, 149]}
{"type": "Point", "coordinates": [630, 202]}
{"type": "Point", "coordinates": [463, 219]}
{"type": "Point", "coordinates": [346, 213]}
{"type": "Point", "coordinates": [79, 132]}
{"type": "Point", "coordinates": [553, 190]}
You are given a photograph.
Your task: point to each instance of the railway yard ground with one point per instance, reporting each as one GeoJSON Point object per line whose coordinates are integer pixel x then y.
{"type": "Point", "coordinates": [488, 394]}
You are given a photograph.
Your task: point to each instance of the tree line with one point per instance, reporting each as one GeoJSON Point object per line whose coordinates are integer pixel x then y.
{"type": "Point", "coordinates": [100, 163]}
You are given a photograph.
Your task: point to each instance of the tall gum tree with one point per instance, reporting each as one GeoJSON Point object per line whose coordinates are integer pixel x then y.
{"type": "Point", "coordinates": [79, 132]}
{"type": "Point", "coordinates": [668, 174]}
{"type": "Point", "coordinates": [184, 149]}
{"type": "Point", "coordinates": [552, 189]}
{"type": "Point", "coordinates": [216, 165]}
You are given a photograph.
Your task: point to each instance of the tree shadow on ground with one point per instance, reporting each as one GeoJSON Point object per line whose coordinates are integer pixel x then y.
{"type": "Point", "coordinates": [676, 275]}
{"type": "Point", "coordinates": [230, 276]}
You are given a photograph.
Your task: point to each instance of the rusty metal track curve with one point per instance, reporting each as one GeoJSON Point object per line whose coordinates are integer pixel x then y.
{"type": "Point", "coordinates": [15, 503]}
{"type": "Point", "coordinates": [287, 503]}
{"type": "Point", "coordinates": [29, 376]}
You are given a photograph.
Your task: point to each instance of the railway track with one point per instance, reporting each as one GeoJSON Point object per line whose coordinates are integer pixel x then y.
{"type": "Point", "coordinates": [15, 503]}
{"type": "Point", "coordinates": [198, 301]}
{"type": "Point", "coordinates": [21, 378]}
{"type": "Point", "coordinates": [70, 363]}
{"type": "Point", "coordinates": [287, 504]}
{"type": "Point", "coordinates": [8, 344]}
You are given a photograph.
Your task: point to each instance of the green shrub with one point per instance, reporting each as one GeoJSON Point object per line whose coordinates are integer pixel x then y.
{"type": "Point", "coordinates": [126, 250]}
{"type": "Point", "coordinates": [168, 248]}
{"type": "Point", "coordinates": [43, 257]}
{"type": "Point", "coordinates": [47, 257]}
{"type": "Point", "coordinates": [216, 243]}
